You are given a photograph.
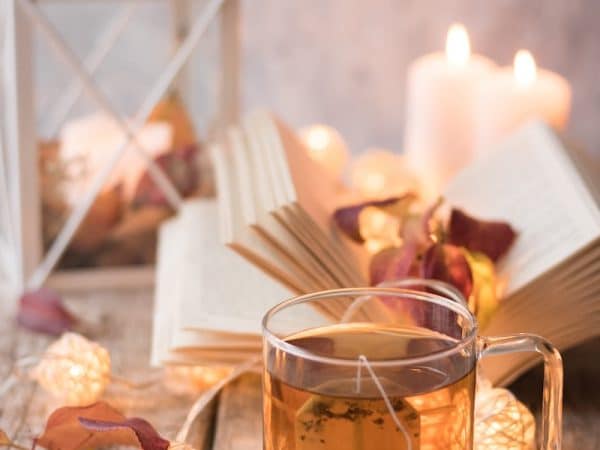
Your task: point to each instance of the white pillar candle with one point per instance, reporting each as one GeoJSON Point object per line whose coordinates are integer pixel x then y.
{"type": "Point", "coordinates": [327, 147]}
{"type": "Point", "coordinates": [440, 100]}
{"type": "Point", "coordinates": [515, 95]}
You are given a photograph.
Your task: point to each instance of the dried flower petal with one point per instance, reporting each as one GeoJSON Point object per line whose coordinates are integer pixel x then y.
{"type": "Point", "coordinates": [448, 263]}
{"type": "Point", "coordinates": [97, 425]}
{"type": "Point", "coordinates": [180, 166]}
{"type": "Point", "coordinates": [347, 218]}
{"type": "Point", "coordinates": [42, 311]}
{"type": "Point", "coordinates": [65, 432]}
{"type": "Point", "coordinates": [483, 300]}
{"type": "Point", "coordinates": [488, 237]}
{"type": "Point", "coordinates": [146, 435]}
{"type": "Point", "coordinates": [393, 264]}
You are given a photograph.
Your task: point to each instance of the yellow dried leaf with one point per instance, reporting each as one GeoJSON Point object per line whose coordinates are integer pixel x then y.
{"type": "Point", "coordinates": [483, 300]}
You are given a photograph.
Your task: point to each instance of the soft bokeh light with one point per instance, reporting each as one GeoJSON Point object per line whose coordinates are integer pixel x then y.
{"type": "Point", "coordinates": [379, 173]}
{"type": "Point", "coordinates": [326, 146]}
{"type": "Point", "coordinates": [379, 229]}
{"type": "Point", "coordinates": [74, 369]}
{"type": "Point", "coordinates": [525, 69]}
{"type": "Point", "coordinates": [190, 380]}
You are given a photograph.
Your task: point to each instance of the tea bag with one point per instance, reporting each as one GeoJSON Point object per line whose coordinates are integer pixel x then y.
{"type": "Point", "coordinates": [361, 422]}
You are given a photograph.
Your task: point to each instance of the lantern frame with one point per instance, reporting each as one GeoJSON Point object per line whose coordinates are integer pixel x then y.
{"type": "Point", "coordinates": [25, 264]}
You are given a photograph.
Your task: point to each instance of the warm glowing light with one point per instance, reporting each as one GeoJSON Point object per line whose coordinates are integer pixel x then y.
{"type": "Point", "coordinates": [458, 48]}
{"type": "Point", "coordinates": [380, 173]}
{"type": "Point", "coordinates": [501, 421]}
{"type": "Point", "coordinates": [74, 369]}
{"type": "Point", "coordinates": [190, 380]}
{"type": "Point", "coordinates": [379, 229]}
{"type": "Point", "coordinates": [327, 147]}
{"type": "Point", "coordinates": [525, 69]}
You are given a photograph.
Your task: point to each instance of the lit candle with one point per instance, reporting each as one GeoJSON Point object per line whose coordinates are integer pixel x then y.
{"type": "Point", "coordinates": [377, 174]}
{"type": "Point", "coordinates": [440, 101]}
{"type": "Point", "coordinates": [327, 147]}
{"type": "Point", "coordinates": [515, 95]}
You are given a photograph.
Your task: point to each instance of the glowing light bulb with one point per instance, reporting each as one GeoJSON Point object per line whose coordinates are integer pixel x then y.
{"type": "Point", "coordinates": [525, 69]}
{"type": "Point", "coordinates": [74, 369]}
{"type": "Point", "coordinates": [458, 48]}
{"type": "Point", "coordinates": [326, 147]}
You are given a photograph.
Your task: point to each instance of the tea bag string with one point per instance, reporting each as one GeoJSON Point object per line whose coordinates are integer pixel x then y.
{"type": "Point", "coordinates": [362, 360]}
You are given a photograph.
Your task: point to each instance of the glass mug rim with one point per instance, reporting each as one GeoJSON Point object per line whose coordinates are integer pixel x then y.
{"type": "Point", "coordinates": [427, 297]}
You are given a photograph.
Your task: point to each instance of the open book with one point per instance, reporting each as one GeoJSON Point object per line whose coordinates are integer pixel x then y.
{"type": "Point", "coordinates": [270, 237]}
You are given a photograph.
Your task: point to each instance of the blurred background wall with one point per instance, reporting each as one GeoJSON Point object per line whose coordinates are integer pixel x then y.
{"type": "Point", "coordinates": [343, 62]}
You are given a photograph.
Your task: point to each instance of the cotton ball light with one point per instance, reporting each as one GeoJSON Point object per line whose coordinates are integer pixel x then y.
{"type": "Point", "coordinates": [380, 173]}
{"type": "Point", "coordinates": [74, 369]}
{"type": "Point", "coordinates": [186, 380]}
{"type": "Point", "coordinates": [326, 147]}
{"type": "Point", "coordinates": [501, 421]}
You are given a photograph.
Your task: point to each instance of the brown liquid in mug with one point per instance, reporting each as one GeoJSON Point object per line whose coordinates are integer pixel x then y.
{"type": "Point", "coordinates": [318, 407]}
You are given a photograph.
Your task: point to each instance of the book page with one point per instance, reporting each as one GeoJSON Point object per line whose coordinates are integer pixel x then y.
{"type": "Point", "coordinates": [530, 182]}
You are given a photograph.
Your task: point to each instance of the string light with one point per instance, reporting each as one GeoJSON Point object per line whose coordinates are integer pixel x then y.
{"type": "Point", "coordinates": [501, 421]}
{"type": "Point", "coordinates": [74, 369]}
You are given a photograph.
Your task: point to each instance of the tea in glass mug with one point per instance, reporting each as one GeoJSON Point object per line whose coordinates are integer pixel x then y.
{"type": "Point", "coordinates": [383, 369]}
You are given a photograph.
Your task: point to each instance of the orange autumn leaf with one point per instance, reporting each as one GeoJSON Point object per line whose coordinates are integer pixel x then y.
{"type": "Point", "coordinates": [95, 426]}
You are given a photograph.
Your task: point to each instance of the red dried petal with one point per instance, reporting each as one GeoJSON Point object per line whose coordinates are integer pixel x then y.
{"type": "Point", "coordinates": [346, 218]}
{"type": "Point", "coordinates": [43, 311]}
{"type": "Point", "coordinates": [491, 238]}
{"type": "Point", "coordinates": [147, 436]}
{"type": "Point", "coordinates": [393, 264]}
{"type": "Point", "coordinates": [179, 166]}
{"type": "Point", "coordinates": [448, 263]}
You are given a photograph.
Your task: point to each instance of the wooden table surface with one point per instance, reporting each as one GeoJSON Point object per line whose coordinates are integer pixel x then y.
{"type": "Point", "coordinates": [121, 321]}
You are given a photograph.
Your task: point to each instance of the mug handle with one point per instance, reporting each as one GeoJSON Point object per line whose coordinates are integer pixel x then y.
{"type": "Point", "coordinates": [553, 378]}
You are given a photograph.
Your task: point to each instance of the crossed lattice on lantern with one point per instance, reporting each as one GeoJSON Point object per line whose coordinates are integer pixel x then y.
{"type": "Point", "coordinates": [85, 82]}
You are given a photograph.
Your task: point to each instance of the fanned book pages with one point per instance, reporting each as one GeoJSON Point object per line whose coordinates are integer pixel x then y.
{"type": "Point", "coordinates": [271, 237]}
{"type": "Point", "coordinates": [209, 301]}
{"type": "Point", "coordinates": [277, 206]}
{"type": "Point", "coordinates": [549, 193]}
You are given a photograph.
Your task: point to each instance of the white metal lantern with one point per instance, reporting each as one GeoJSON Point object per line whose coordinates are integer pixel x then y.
{"type": "Point", "coordinates": [22, 260]}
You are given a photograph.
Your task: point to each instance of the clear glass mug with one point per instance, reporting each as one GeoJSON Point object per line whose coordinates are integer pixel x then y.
{"type": "Point", "coordinates": [386, 368]}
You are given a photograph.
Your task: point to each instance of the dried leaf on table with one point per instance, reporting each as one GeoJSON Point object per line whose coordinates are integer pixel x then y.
{"type": "Point", "coordinates": [43, 311]}
{"type": "Point", "coordinates": [488, 237]}
{"type": "Point", "coordinates": [448, 263]}
{"type": "Point", "coordinates": [146, 435]}
{"type": "Point", "coordinates": [347, 218]}
{"type": "Point", "coordinates": [97, 425]}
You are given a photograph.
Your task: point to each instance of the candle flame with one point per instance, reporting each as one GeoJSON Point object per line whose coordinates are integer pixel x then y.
{"type": "Point", "coordinates": [525, 69]}
{"type": "Point", "coordinates": [458, 48]}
